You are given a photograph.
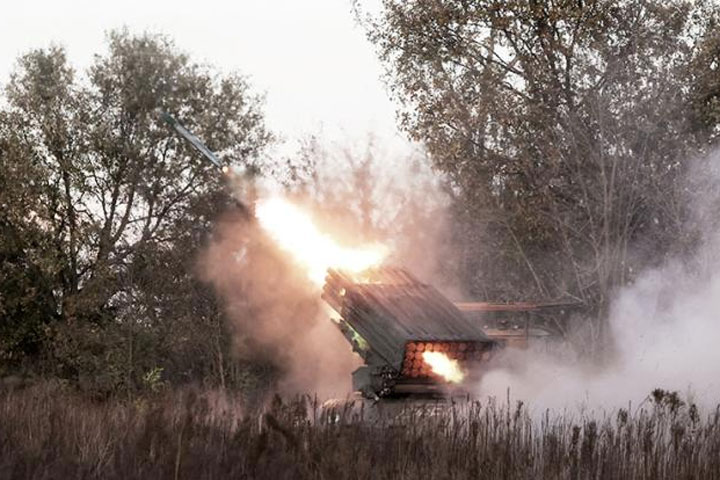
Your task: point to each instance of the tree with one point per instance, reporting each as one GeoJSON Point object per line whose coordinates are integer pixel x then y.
{"type": "Point", "coordinates": [103, 207]}
{"type": "Point", "coordinates": [565, 127]}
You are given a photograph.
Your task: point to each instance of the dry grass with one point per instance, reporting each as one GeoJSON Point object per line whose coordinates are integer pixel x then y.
{"type": "Point", "coordinates": [47, 433]}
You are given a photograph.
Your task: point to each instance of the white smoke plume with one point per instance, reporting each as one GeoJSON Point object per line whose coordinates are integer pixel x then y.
{"type": "Point", "coordinates": [666, 329]}
{"type": "Point", "coordinates": [356, 196]}
{"type": "Point", "coordinates": [273, 310]}
{"type": "Point", "coordinates": [665, 325]}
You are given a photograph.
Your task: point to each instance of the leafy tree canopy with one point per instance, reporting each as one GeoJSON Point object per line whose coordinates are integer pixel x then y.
{"type": "Point", "coordinates": [565, 126]}
{"type": "Point", "coordinates": [103, 206]}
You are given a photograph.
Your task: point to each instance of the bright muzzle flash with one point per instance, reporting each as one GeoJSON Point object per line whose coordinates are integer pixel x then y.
{"type": "Point", "coordinates": [444, 366]}
{"type": "Point", "coordinates": [294, 232]}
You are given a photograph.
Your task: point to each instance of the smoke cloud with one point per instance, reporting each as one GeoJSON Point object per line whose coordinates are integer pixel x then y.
{"type": "Point", "coordinates": [666, 329]}
{"type": "Point", "coordinates": [665, 325]}
{"type": "Point", "coordinates": [275, 311]}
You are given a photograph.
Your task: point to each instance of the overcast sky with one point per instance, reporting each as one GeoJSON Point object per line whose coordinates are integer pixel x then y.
{"type": "Point", "coordinates": [315, 65]}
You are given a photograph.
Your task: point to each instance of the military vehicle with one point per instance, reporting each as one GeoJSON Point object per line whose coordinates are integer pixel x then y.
{"type": "Point", "coordinates": [394, 321]}
{"type": "Point", "coordinates": [523, 324]}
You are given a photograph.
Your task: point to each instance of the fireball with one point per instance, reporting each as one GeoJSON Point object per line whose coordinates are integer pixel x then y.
{"type": "Point", "coordinates": [444, 366]}
{"type": "Point", "coordinates": [294, 232]}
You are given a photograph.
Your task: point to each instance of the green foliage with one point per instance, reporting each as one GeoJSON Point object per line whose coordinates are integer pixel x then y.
{"type": "Point", "coordinates": [566, 128]}
{"type": "Point", "coordinates": [153, 379]}
{"type": "Point", "coordinates": [104, 209]}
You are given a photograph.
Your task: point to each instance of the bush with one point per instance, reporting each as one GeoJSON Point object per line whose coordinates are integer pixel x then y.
{"type": "Point", "coordinates": [50, 433]}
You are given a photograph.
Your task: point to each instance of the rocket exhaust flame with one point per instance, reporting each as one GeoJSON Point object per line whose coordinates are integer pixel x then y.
{"type": "Point", "coordinates": [294, 231]}
{"type": "Point", "coordinates": [442, 365]}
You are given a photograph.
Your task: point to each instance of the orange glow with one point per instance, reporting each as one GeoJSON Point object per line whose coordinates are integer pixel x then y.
{"type": "Point", "coordinates": [294, 231]}
{"type": "Point", "coordinates": [442, 365]}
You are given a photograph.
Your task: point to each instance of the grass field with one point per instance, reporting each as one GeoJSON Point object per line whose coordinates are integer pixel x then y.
{"type": "Point", "coordinates": [46, 433]}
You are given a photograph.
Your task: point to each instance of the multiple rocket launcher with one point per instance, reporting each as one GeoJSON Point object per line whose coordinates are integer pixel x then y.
{"type": "Point", "coordinates": [394, 322]}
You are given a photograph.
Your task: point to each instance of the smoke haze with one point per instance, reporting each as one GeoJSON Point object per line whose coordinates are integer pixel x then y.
{"type": "Point", "coordinates": [275, 311]}
{"type": "Point", "coordinates": [665, 325]}
{"type": "Point", "coordinates": [666, 329]}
